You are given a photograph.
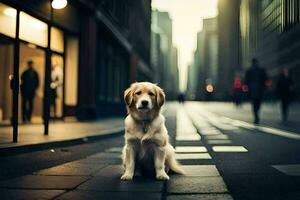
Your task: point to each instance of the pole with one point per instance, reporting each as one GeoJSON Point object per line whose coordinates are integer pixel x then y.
{"type": "Point", "coordinates": [15, 81]}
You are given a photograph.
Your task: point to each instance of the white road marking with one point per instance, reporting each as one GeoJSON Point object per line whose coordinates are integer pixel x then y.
{"type": "Point", "coordinates": [190, 149]}
{"type": "Point", "coordinates": [229, 149]}
{"type": "Point", "coordinates": [192, 156]}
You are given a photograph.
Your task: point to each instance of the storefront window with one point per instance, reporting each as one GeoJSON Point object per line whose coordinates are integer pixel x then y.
{"type": "Point", "coordinates": [57, 40]}
{"type": "Point", "coordinates": [8, 20]}
{"type": "Point", "coordinates": [33, 30]}
{"type": "Point", "coordinates": [71, 71]}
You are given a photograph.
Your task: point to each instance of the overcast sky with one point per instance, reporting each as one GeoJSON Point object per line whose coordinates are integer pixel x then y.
{"type": "Point", "coordinates": [187, 18]}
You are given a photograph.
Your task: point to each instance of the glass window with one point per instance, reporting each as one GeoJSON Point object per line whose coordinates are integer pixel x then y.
{"type": "Point", "coordinates": [33, 30]}
{"type": "Point", "coordinates": [8, 20]}
{"type": "Point", "coordinates": [57, 40]}
{"type": "Point", "coordinates": [71, 71]}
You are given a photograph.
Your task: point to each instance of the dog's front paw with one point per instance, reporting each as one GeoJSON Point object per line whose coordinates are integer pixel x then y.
{"type": "Point", "coordinates": [162, 176]}
{"type": "Point", "coordinates": [127, 177]}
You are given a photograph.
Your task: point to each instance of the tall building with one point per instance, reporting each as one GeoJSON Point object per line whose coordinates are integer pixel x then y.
{"type": "Point", "coordinates": [204, 69]}
{"type": "Point", "coordinates": [164, 56]}
{"type": "Point", "coordinates": [98, 48]}
{"type": "Point", "coordinates": [229, 46]}
{"type": "Point", "coordinates": [270, 31]}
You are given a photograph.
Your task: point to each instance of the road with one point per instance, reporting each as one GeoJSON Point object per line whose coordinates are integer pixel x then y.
{"type": "Point", "coordinates": [224, 156]}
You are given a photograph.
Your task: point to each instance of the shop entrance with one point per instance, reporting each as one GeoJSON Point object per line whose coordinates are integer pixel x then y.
{"type": "Point", "coordinates": [30, 53]}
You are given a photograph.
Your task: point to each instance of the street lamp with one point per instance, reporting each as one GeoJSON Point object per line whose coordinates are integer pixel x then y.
{"type": "Point", "coordinates": [59, 4]}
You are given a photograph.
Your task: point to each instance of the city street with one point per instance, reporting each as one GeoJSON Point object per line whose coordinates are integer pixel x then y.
{"type": "Point", "coordinates": [223, 154]}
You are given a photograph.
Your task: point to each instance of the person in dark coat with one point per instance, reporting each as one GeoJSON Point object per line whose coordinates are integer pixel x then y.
{"type": "Point", "coordinates": [284, 90]}
{"type": "Point", "coordinates": [255, 78]}
{"type": "Point", "coordinates": [29, 84]}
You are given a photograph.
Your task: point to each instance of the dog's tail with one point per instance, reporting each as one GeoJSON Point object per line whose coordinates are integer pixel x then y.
{"type": "Point", "coordinates": [174, 165]}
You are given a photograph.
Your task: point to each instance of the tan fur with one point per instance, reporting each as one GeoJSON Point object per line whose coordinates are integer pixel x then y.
{"type": "Point", "coordinates": [145, 132]}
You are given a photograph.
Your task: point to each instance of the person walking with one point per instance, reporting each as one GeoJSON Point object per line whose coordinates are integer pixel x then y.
{"type": "Point", "coordinates": [255, 79]}
{"type": "Point", "coordinates": [284, 89]}
{"type": "Point", "coordinates": [29, 84]}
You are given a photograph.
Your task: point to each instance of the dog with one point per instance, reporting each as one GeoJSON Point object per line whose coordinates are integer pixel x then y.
{"type": "Point", "coordinates": [146, 137]}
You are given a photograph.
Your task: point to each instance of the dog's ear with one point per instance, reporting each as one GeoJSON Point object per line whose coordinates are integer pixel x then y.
{"type": "Point", "coordinates": [160, 96]}
{"type": "Point", "coordinates": [128, 96]}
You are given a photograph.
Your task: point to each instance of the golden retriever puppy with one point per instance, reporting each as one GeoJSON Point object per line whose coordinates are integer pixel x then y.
{"type": "Point", "coordinates": [146, 137]}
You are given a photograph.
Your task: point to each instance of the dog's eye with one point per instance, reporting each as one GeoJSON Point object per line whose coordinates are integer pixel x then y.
{"type": "Point", "coordinates": [151, 93]}
{"type": "Point", "coordinates": [138, 93]}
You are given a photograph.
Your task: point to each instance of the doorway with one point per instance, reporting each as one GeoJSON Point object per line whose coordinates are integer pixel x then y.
{"type": "Point", "coordinates": [29, 52]}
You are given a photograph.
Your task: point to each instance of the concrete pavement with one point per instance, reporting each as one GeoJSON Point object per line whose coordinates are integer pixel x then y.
{"type": "Point", "coordinates": [60, 133]}
{"type": "Point", "coordinates": [222, 160]}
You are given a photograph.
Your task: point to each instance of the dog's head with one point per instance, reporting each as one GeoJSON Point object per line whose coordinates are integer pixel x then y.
{"type": "Point", "coordinates": [144, 98]}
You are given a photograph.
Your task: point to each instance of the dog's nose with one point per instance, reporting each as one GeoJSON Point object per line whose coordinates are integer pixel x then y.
{"type": "Point", "coordinates": [144, 103]}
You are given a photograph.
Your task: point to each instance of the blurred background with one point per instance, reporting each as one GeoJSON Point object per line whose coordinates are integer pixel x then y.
{"type": "Point", "coordinates": [86, 53]}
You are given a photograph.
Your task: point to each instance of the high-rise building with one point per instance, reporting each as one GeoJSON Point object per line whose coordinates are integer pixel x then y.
{"type": "Point", "coordinates": [204, 69]}
{"type": "Point", "coordinates": [164, 53]}
{"type": "Point", "coordinates": [229, 46]}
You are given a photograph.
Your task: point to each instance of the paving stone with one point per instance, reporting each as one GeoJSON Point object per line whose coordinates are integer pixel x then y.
{"type": "Point", "coordinates": [105, 155]}
{"type": "Point", "coordinates": [244, 167]}
{"type": "Point", "coordinates": [210, 132]}
{"type": "Point", "coordinates": [110, 184]}
{"type": "Point", "coordinates": [71, 169]}
{"type": "Point", "coordinates": [108, 161]}
{"type": "Point", "coordinates": [197, 162]}
{"type": "Point", "coordinates": [217, 137]}
{"type": "Point", "coordinates": [200, 170]}
{"type": "Point", "coordinates": [219, 141]}
{"type": "Point", "coordinates": [115, 150]}
{"type": "Point", "coordinates": [261, 183]}
{"type": "Point", "coordinates": [91, 195]}
{"type": "Point", "coordinates": [189, 143]}
{"type": "Point", "coordinates": [200, 197]}
{"type": "Point", "coordinates": [187, 156]}
{"type": "Point", "coordinates": [183, 137]}
{"type": "Point", "coordinates": [181, 184]}
{"type": "Point", "coordinates": [111, 171]}
{"type": "Point", "coordinates": [43, 182]}
{"type": "Point", "coordinates": [190, 149]}
{"type": "Point", "coordinates": [17, 194]}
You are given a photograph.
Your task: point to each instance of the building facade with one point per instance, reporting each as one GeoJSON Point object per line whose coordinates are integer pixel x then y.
{"type": "Point", "coordinates": [229, 57]}
{"type": "Point", "coordinates": [204, 69]}
{"type": "Point", "coordinates": [97, 47]}
{"type": "Point", "coordinates": [164, 54]}
{"type": "Point", "coordinates": [270, 32]}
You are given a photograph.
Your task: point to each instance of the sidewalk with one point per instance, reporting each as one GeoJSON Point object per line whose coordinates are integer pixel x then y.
{"type": "Point", "coordinates": [269, 114]}
{"type": "Point", "coordinates": [31, 136]}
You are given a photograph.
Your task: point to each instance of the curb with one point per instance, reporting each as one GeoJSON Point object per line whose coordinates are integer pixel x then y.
{"type": "Point", "coordinates": [26, 148]}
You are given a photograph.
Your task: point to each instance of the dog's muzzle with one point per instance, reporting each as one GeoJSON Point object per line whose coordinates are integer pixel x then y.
{"type": "Point", "coordinates": [144, 105]}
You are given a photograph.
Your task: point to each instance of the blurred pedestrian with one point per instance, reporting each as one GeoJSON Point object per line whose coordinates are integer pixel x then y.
{"type": "Point", "coordinates": [55, 86]}
{"type": "Point", "coordinates": [255, 79]}
{"type": "Point", "coordinates": [181, 98]}
{"type": "Point", "coordinates": [29, 85]}
{"type": "Point", "coordinates": [284, 89]}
